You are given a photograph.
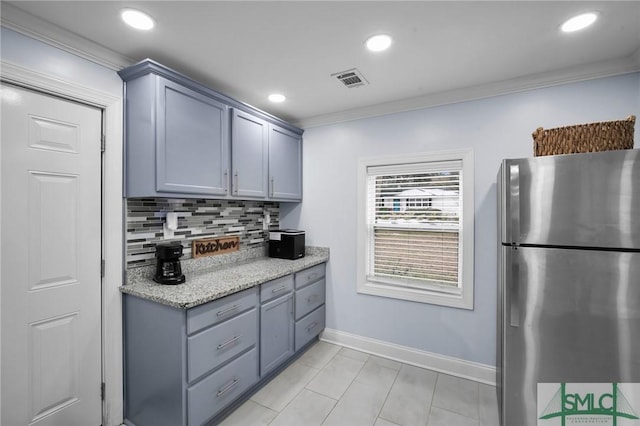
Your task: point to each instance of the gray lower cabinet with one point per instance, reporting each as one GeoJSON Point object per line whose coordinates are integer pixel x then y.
{"type": "Point", "coordinates": [276, 323]}
{"type": "Point", "coordinates": [183, 366]}
{"type": "Point", "coordinates": [309, 304]}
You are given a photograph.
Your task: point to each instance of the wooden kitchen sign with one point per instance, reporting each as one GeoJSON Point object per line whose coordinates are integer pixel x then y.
{"type": "Point", "coordinates": [214, 246]}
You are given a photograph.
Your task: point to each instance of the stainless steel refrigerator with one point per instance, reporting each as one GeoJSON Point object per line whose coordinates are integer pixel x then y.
{"type": "Point", "coordinates": [569, 276]}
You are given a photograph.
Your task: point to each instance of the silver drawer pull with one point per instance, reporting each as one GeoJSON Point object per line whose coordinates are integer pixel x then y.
{"type": "Point", "coordinates": [311, 277]}
{"type": "Point", "coordinates": [312, 298]}
{"type": "Point", "coordinates": [228, 342]}
{"type": "Point", "coordinates": [311, 327]}
{"type": "Point", "coordinates": [279, 289]}
{"type": "Point", "coordinates": [227, 388]}
{"type": "Point", "coordinates": [228, 310]}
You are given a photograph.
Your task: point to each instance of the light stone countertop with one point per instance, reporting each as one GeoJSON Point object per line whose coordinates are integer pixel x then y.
{"type": "Point", "coordinates": [213, 282]}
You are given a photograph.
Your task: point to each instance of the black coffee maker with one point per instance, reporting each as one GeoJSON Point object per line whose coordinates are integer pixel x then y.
{"type": "Point", "coordinates": [168, 270]}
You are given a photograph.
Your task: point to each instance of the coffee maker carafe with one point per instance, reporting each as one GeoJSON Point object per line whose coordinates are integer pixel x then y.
{"type": "Point", "coordinates": [168, 270]}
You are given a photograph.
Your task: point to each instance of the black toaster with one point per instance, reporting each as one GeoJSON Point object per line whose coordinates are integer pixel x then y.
{"type": "Point", "coordinates": [286, 244]}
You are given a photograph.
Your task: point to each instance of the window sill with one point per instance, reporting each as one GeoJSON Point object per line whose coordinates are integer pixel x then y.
{"type": "Point", "coordinates": [452, 300]}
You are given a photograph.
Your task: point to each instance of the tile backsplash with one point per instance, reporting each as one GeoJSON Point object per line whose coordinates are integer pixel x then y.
{"type": "Point", "coordinates": [197, 218]}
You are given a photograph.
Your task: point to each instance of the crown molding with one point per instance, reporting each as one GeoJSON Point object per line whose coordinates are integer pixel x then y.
{"type": "Point", "coordinates": [22, 22]}
{"type": "Point", "coordinates": [574, 74]}
{"type": "Point", "coordinates": [18, 20]}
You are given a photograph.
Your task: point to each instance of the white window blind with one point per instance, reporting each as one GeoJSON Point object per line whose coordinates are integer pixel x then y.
{"type": "Point", "coordinates": [414, 216]}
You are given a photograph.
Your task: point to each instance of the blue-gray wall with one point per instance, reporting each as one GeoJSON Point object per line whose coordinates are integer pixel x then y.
{"type": "Point", "coordinates": [496, 128]}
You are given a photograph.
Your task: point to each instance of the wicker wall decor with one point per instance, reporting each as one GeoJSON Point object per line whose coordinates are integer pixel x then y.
{"type": "Point", "coordinates": [591, 137]}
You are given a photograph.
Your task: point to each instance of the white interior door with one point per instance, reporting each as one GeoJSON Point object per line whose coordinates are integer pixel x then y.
{"type": "Point", "coordinates": [51, 251]}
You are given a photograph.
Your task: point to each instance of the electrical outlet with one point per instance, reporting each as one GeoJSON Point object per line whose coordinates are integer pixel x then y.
{"type": "Point", "coordinates": [266, 222]}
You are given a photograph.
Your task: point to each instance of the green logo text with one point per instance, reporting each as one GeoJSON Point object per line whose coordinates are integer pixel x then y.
{"type": "Point", "coordinates": [587, 404]}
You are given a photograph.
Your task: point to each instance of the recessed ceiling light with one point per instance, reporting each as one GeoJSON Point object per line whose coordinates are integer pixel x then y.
{"type": "Point", "coordinates": [579, 22]}
{"type": "Point", "coordinates": [378, 43]}
{"type": "Point", "coordinates": [277, 97]}
{"type": "Point", "coordinates": [136, 19]}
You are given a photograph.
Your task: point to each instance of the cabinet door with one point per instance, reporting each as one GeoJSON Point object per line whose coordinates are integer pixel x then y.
{"type": "Point", "coordinates": [276, 333]}
{"type": "Point", "coordinates": [248, 155]}
{"type": "Point", "coordinates": [285, 164]}
{"type": "Point", "coordinates": [192, 141]}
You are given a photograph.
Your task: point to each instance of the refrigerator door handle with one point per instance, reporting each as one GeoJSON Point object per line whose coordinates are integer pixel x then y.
{"type": "Point", "coordinates": [514, 202]}
{"type": "Point", "coordinates": [514, 296]}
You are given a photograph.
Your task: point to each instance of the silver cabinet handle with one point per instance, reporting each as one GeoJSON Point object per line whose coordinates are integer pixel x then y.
{"type": "Point", "coordinates": [311, 327]}
{"type": "Point", "coordinates": [311, 276]}
{"type": "Point", "coordinates": [272, 186]}
{"type": "Point", "coordinates": [227, 388]}
{"type": "Point", "coordinates": [227, 311]}
{"type": "Point", "coordinates": [228, 342]}
{"type": "Point", "coordinates": [226, 181]}
{"type": "Point", "coordinates": [312, 298]}
{"type": "Point", "coordinates": [235, 186]}
{"type": "Point", "coordinates": [279, 289]}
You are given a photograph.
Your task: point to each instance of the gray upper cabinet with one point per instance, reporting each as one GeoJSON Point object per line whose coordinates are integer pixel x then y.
{"type": "Point", "coordinates": [185, 140]}
{"type": "Point", "coordinates": [192, 141]}
{"type": "Point", "coordinates": [285, 164]}
{"type": "Point", "coordinates": [249, 166]}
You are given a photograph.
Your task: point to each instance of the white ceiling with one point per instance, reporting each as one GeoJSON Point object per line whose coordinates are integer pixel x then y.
{"type": "Point", "coordinates": [443, 52]}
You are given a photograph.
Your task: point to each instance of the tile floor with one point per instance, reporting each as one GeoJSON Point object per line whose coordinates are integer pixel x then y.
{"type": "Point", "coordinates": [332, 385]}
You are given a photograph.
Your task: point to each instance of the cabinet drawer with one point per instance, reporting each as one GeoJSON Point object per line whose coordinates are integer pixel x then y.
{"type": "Point", "coordinates": [276, 288]}
{"type": "Point", "coordinates": [220, 310]}
{"type": "Point", "coordinates": [309, 298]}
{"type": "Point", "coordinates": [216, 345]}
{"type": "Point", "coordinates": [208, 397]}
{"type": "Point", "coordinates": [309, 275]}
{"type": "Point", "coordinates": [309, 327]}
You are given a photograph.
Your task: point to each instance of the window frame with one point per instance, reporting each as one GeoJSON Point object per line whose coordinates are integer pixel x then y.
{"type": "Point", "coordinates": [463, 298]}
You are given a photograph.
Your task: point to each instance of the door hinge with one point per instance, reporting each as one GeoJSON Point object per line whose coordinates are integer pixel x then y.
{"type": "Point", "coordinates": [102, 391]}
{"type": "Point", "coordinates": [102, 268]}
{"type": "Point", "coordinates": [103, 142]}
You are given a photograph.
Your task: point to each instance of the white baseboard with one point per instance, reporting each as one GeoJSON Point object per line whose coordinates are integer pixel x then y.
{"type": "Point", "coordinates": [481, 373]}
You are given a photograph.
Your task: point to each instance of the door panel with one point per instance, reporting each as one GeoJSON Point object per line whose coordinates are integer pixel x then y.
{"type": "Point", "coordinates": [51, 250]}
{"type": "Point", "coordinates": [52, 342]}
{"type": "Point", "coordinates": [579, 200]}
{"type": "Point", "coordinates": [53, 199]}
{"type": "Point", "coordinates": [569, 316]}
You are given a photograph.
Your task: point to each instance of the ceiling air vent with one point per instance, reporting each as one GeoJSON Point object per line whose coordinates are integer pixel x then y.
{"type": "Point", "coordinates": [351, 78]}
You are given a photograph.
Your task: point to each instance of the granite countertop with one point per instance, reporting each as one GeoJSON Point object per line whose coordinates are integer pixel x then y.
{"type": "Point", "coordinates": [213, 282]}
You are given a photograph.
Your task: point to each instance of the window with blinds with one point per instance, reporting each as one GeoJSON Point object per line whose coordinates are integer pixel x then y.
{"type": "Point", "coordinates": [413, 215]}
{"type": "Point", "coordinates": [416, 228]}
